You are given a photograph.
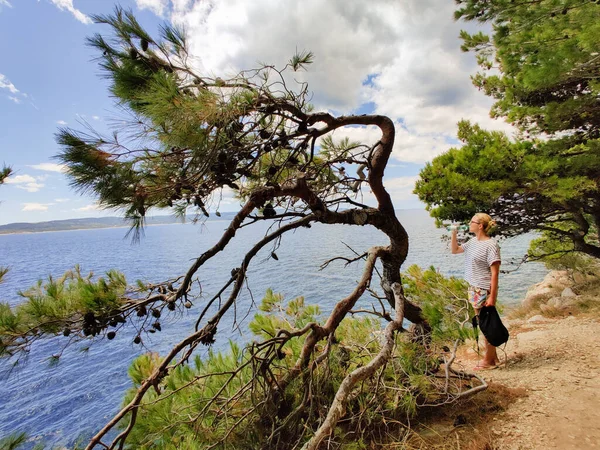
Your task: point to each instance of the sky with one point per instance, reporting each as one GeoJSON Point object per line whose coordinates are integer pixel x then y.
{"type": "Point", "coordinates": [399, 58]}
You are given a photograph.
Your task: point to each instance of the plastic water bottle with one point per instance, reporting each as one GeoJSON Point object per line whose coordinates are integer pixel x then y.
{"type": "Point", "coordinates": [460, 227]}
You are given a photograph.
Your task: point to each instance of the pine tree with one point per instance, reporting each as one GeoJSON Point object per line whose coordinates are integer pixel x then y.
{"type": "Point", "coordinates": [541, 64]}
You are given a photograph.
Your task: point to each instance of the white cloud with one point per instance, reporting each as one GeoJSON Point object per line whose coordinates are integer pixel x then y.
{"type": "Point", "coordinates": [61, 122]}
{"type": "Point", "coordinates": [403, 58]}
{"type": "Point", "coordinates": [158, 7]}
{"type": "Point", "coordinates": [96, 117]}
{"type": "Point", "coordinates": [67, 5]}
{"type": "Point", "coordinates": [6, 84]}
{"type": "Point", "coordinates": [36, 206]}
{"type": "Point", "coordinates": [5, 3]}
{"type": "Point", "coordinates": [401, 188]}
{"type": "Point", "coordinates": [411, 147]}
{"type": "Point", "coordinates": [49, 167]}
{"type": "Point", "coordinates": [26, 182]}
{"type": "Point", "coordinates": [31, 187]}
{"type": "Point", "coordinates": [61, 200]}
{"type": "Point", "coordinates": [14, 99]}
{"type": "Point", "coordinates": [20, 179]}
{"type": "Point", "coordinates": [90, 207]}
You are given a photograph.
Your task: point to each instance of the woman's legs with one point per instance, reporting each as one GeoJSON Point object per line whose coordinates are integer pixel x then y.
{"type": "Point", "coordinates": [491, 357]}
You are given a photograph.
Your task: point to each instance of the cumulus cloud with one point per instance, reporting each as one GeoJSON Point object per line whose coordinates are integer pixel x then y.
{"type": "Point", "coordinates": [61, 200]}
{"type": "Point", "coordinates": [158, 7]}
{"type": "Point", "coordinates": [399, 188]}
{"type": "Point", "coordinates": [90, 207]}
{"type": "Point", "coordinates": [36, 206]}
{"type": "Point", "coordinates": [67, 5]}
{"type": "Point", "coordinates": [409, 146]}
{"type": "Point", "coordinates": [349, 40]}
{"type": "Point", "coordinates": [49, 167]}
{"type": "Point", "coordinates": [32, 187]}
{"type": "Point", "coordinates": [61, 122]}
{"type": "Point", "coordinates": [403, 58]}
{"type": "Point", "coordinates": [26, 182]}
{"type": "Point", "coordinates": [20, 179]}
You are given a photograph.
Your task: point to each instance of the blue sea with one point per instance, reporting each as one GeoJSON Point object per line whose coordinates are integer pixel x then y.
{"type": "Point", "coordinates": [57, 404]}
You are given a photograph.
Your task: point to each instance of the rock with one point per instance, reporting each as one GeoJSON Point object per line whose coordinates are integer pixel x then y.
{"type": "Point", "coordinates": [581, 278]}
{"type": "Point", "coordinates": [568, 292]}
{"type": "Point", "coordinates": [538, 318]}
{"type": "Point", "coordinates": [560, 302]}
{"type": "Point", "coordinates": [552, 285]}
{"type": "Point", "coordinates": [512, 323]}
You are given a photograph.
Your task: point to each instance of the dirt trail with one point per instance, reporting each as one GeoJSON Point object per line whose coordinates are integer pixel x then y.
{"type": "Point", "coordinates": [557, 362]}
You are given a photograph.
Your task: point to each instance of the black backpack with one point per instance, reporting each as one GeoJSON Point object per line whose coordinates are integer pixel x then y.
{"type": "Point", "coordinates": [492, 327]}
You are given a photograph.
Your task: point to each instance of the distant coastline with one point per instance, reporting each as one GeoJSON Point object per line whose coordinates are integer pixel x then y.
{"type": "Point", "coordinates": [88, 224]}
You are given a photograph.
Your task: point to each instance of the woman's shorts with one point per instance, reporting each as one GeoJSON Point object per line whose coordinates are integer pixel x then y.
{"type": "Point", "coordinates": [478, 296]}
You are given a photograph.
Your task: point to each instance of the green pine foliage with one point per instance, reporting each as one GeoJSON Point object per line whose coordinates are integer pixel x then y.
{"type": "Point", "coordinates": [4, 174]}
{"type": "Point", "coordinates": [71, 303]}
{"type": "Point", "coordinates": [444, 303]}
{"type": "Point", "coordinates": [13, 441]}
{"type": "Point", "coordinates": [16, 441]}
{"type": "Point", "coordinates": [558, 253]}
{"type": "Point", "coordinates": [221, 400]}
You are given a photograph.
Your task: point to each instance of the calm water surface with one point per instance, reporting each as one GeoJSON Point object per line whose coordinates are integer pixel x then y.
{"type": "Point", "coordinates": [76, 397]}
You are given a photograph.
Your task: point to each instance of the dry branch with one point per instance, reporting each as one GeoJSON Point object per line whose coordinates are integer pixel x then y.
{"type": "Point", "coordinates": [338, 406]}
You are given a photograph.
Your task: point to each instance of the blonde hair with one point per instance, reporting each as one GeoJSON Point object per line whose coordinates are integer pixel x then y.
{"type": "Point", "coordinates": [488, 223]}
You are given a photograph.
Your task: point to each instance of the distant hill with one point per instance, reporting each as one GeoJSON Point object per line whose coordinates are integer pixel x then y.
{"type": "Point", "coordinates": [82, 224]}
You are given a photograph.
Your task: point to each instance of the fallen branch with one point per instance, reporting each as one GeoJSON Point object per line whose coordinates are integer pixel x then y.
{"type": "Point", "coordinates": [338, 406]}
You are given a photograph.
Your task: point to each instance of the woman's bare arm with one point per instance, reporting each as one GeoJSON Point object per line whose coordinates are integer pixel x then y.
{"type": "Point", "coordinates": [454, 243]}
{"type": "Point", "coordinates": [495, 268]}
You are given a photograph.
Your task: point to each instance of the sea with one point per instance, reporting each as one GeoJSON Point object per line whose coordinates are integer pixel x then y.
{"type": "Point", "coordinates": [57, 404]}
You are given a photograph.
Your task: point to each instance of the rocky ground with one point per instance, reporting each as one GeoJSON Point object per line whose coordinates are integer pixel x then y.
{"type": "Point", "coordinates": [547, 393]}
{"type": "Point", "coordinates": [557, 363]}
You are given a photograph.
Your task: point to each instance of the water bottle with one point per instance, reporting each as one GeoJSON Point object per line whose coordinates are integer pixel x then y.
{"type": "Point", "coordinates": [460, 227]}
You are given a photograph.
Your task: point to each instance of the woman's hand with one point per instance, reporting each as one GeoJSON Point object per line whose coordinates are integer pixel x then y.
{"type": "Point", "coordinates": [491, 301]}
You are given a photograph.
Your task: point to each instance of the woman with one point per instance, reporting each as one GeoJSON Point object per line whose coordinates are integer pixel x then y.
{"type": "Point", "coordinates": [482, 266]}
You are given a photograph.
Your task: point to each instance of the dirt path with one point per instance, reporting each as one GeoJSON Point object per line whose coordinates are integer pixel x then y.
{"type": "Point", "coordinates": [557, 363]}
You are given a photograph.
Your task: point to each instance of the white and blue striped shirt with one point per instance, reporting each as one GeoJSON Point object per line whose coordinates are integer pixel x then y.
{"type": "Point", "coordinates": [479, 256]}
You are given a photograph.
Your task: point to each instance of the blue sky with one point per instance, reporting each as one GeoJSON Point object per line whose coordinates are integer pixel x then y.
{"type": "Point", "coordinates": [403, 61]}
{"type": "Point", "coordinates": [53, 82]}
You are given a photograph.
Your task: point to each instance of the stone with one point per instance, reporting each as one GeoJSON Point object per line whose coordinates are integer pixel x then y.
{"type": "Point", "coordinates": [568, 292]}
{"type": "Point", "coordinates": [538, 318]}
{"type": "Point", "coordinates": [559, 302]}
{"type": "Point", "coordinates": [512, 323]}
{"type": "Point", "coordinates": [552, 285]}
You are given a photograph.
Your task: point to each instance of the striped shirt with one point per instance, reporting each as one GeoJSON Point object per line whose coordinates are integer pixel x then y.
{"type": "Point", "coordinates": [479, 256]}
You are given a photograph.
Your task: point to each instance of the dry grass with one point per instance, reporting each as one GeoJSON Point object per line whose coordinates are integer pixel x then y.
{"type": "Point", "coordinates": [464, 425]}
